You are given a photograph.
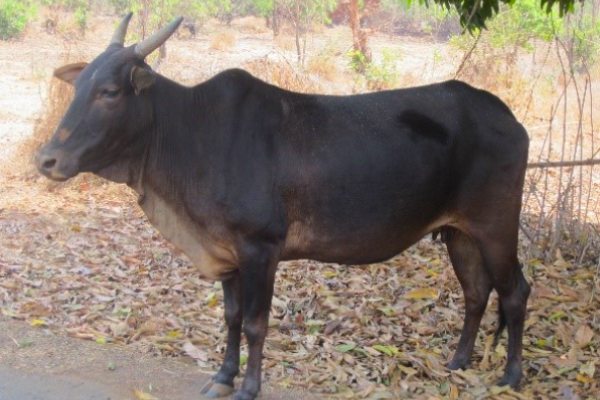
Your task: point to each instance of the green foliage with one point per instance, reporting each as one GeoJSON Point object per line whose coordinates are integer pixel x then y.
{"type": "Point", "coordinates": [433, 19]}
{"type": "Point", "coordinates": [524, 23]}
{"type": "Point", "coordinates": [583, 38]}
{"type": "Point", "coordinates": [66, 4]}
{"type": "Point", "coordinates": [306, 11]}
{"type": "Point", "coordinates": [80, 8]}
{"type": "Point", "coordinates": [14, 16]}
{"type": "Point", "coordinates": [81, 14]}
{"type": "Point", "coordinates": [358, 61]}
{"type": "Point", "coordinates": [164, 10]}
{"type": "Point", "coordinates": [120, 6]}
{"type": "Point", "coordinates": [200, 10]}
{"type": "Point", "coordinates": [378, 75]}
{"type": "Point", "coordinates": [261, 7]}
{"type": "Point", "coordinates": [474, 14]}
{"type": "Point", "coordinates": [383, 74]}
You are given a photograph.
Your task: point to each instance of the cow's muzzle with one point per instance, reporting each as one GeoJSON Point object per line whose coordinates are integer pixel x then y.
{"type": "Point", "coordinates": [55, 164]}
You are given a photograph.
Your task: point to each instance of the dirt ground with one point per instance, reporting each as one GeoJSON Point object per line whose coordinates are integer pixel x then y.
{"type": "Point", "coordinates": [40, 364]}
{"type": "Point", "coordinates": [79, 261]}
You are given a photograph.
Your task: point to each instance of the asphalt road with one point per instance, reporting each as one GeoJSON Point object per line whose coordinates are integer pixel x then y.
{"type": "Point", "coordinates": [21, 385]}
{"type": "Point", "coordinates": [36, 364]}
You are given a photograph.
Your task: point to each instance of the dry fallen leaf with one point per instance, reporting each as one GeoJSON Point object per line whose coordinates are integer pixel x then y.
{"type": "Point", "coordinates": [197, 354]}
{"type": "Point", "coordinates": [422, 293]}
{"type": "Point", "coordinates": [583, 336]}
{"type": "Point", "coordinates": [141, 395]}
{"type": "Point", "coordinates": [37, 322]}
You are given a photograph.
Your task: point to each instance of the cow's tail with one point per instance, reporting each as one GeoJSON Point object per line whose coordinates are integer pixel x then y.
{"type": "Point", "coordinates": [501, 324]}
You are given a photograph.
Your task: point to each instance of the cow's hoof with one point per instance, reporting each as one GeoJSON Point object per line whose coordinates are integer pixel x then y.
{"type": "Point", "coordinates": [243, 395]}
{"type": "Point", "coordinates": [512, 379]}
{"type": "Point", "coordinates": [215, 390]}
{"type": "Point", "coordinates": [457, 363]}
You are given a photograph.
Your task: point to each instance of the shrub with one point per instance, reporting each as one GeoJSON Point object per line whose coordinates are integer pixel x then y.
{"type": "Point", "coordinates": [14, 16]}
{"type": "Point", "coordinates": [378, 75]}
{"type": "Point", "coordinates": [81, 17]}
{"type": "Point", "coordinates": [583, 39]}
{"type": "Point", "coordinates": [120, 6]}
{"type": "Point", "coordinates": [383, 74]}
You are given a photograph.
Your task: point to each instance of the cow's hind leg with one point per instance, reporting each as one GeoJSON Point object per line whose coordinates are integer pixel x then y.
{"type": "Point", "coordinates": [499, 251]}
{"type": "Point", "coordinates": [222, 383]}
{"type": "Point", "coordinates": [476, 284]}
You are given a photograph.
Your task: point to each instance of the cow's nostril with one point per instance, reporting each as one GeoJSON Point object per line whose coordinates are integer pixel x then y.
{"type": "Point", "coordinates": [49, 163]}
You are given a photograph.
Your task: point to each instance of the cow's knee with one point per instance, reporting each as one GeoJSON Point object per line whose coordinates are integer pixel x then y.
{"type": "Point", "coordinates": [475, 305]}
{"type": "Point", "coordinates": [255, 330]}
{"type": "Point", "coordinates": [514, 293]}
{"type": "Point", "coordinates": [233, 315]}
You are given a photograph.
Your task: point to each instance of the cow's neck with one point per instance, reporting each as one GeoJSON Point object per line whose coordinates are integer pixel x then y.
{"type": "Point", "coordinates": [160, 163]}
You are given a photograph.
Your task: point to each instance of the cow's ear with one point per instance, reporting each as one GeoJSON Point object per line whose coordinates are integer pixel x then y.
{"type": "Point", "coordinates": [69, 73]}
{"type": "Point", "coordinates": [141, 78]}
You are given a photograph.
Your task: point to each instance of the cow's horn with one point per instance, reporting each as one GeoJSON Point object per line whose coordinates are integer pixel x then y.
{"type": "Point", "coordinates": [119, 35]}
{"type": "Point", "coordinates": [151, 43]}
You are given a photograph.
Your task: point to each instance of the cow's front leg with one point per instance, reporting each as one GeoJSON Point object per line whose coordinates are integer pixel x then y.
{"type": "Point", "coordinates": [222, 383]}
{"type": "Point", "coordinates": [257, 274]}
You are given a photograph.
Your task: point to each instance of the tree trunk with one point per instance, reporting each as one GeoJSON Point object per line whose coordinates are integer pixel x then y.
{"type": "Point", "coordinates": [359, 36]}
{"type": "Point", "coordinates": [275, 19]}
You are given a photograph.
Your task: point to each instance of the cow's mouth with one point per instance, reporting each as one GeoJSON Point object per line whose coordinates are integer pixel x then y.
{"type": "Point", "coordinates": [54, 167]}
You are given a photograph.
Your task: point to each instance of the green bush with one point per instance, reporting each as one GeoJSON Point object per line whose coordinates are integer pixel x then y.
{"type": "Point", "coordinates": [378, 75]}
{"type": "Point", "coordinates": [417, 17]}
{"type": "Point", "coordinates": [582, 39]}
{"type": "Point", "coordinates": [383, 74]}
{"type": "Point", "coordinates": [81, 13]}
{"type": "Point", "coordinates": [79, 8]}
{"type": "Point", "coordinates": [14, 16]}
{"type": "Point", "coordinates": [517, 26]}
{"type": "Point", "coordinates": [522, 24]}
{"type": "Point", "coordinates": [121, 6]}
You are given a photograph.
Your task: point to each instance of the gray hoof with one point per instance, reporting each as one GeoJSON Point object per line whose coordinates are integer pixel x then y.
{"type": "Point", "coordinates": [215, 390]}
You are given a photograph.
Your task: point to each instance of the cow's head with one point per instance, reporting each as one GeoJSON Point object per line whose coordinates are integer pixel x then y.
{"type": "Point", "coordinates": [110, 109]}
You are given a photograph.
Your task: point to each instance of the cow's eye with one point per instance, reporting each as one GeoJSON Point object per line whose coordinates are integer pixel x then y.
{"type": "Point", "coordinates": [110, 93]}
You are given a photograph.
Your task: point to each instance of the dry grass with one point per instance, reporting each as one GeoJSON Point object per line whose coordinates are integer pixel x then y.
{"type": "Point", "coordinates": [496, 70]}
{"type": "Point", "coordinates": [285, 42]}
{"type": "Point", "coordinates": [222, 41]}
{"type": "Point", "coordinates": [250, 25]}
{"type": "Point", "coordinates": [59, 98]}
{"type": "Point", "coordinates": [408, 79]}
{"type": "Point", "coordinates": [282, 74]}
{"type": "Point", "coordinates": [324, 66]}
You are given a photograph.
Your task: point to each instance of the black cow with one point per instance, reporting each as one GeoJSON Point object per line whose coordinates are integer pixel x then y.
{"type": "Point", "coordinates": [240, 175]}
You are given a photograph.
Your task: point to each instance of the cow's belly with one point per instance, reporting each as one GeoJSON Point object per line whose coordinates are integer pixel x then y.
{"type": "Point", "coordinates": [214, 261]}
{"type": "Point", "coordinates": [354, 246]}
